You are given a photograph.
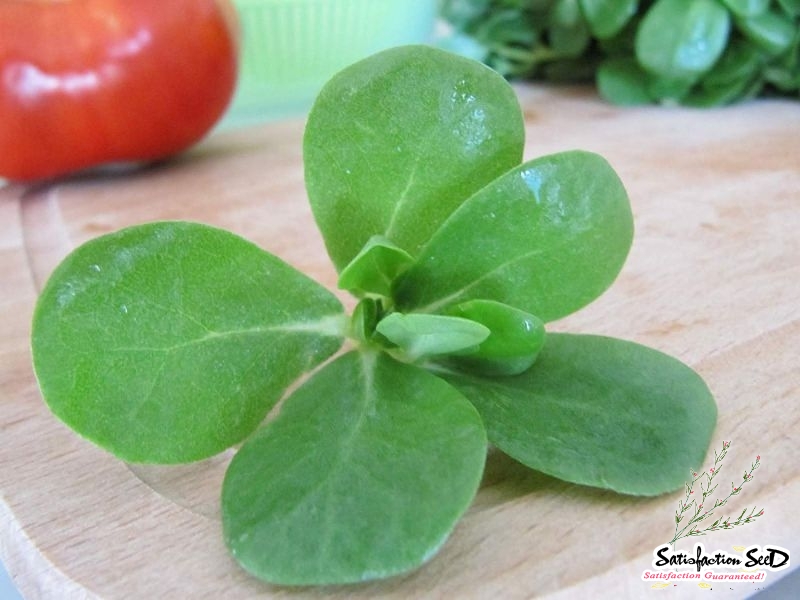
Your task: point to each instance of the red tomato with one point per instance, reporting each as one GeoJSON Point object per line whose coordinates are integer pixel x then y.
{"type": "Point", "coordinates": [87, 82]}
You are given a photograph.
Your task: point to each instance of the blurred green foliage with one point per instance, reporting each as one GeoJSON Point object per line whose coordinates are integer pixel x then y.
{"type": "Point", "coordinates": [692, 52]}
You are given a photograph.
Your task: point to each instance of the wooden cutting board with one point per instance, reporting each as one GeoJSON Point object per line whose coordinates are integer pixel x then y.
{"type": "Point", "coordinates": [712, 279]}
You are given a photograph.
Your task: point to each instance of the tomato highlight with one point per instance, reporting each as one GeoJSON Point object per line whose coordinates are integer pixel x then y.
{"type": "Point", "coordinates": [89, 82]}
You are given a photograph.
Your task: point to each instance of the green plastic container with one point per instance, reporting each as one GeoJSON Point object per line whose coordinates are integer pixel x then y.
{"type": "Point", "coordinates": [290, 48]}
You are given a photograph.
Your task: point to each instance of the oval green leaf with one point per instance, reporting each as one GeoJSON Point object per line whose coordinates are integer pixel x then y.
{"type": "Point", "coordinates": [772, 31]}
{"type": "Point", "coordinates": [606, 18]}
{"type": "Point", "coordinates": [790, 7]}
{"type": "Point", "coordinates": [363, 475]}
{"type": "Point", "coordinates": [568, 34]}
{"type": "Point", "coordinates": [601, 412]}
{"type": "Point", "coordinates": [681, 39]}
{"type": "Point", "coordinates": [420, 336]}
{"type": "Point", "coordinates": [515, 340]}
{"type": "Point", "coordinates": [669, 91]}
{"type": "Point", "coordinates": [397, 141]}
{"type": "Point", "coordinates": [747, 8]}
{"type": "Point", "coordinates": [547, 237]}
{"type": "Point", "coordinates": [720, 95]}
{"type": "Point", "coordinates": [169, 342]}
{"type": "Point", "coordinates": [623, 82]}
{"type": "Point", "coordinates": [742, 61]}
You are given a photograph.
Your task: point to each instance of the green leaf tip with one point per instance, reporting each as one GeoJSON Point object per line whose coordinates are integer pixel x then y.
{"type": "Point", "coordinates": [374, 269]}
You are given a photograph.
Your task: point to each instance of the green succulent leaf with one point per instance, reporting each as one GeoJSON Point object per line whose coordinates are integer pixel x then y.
{"type": "Point", "coordinates": [601, 412]}
{"type": "Point", "coordinates": [742, 61]}
{"type": "Point", "coordinates": [547, 237]}
{"type": "Point", "coordinates": [568, 33]}
{"type": "Point", "coordinates": [374, 269]}
{"type": "Point", "coordinates": [169, 342]}
{"type": "Point", "coordinates": [362, 475]}
{"type": "Point", "coordinates": [722, 94]}
{"type": "Point", "coordinates": [515, 340]}
{"type": "Point", "coordinates": [747, 8]}
{"type": "Point", "coordinates": [623, 82]}
{"type": "Point", "coordinates": [681, 39]}
{"type": "Point", "coordinates": [783, 79]}
{"type": "Point", "coordinates": [606, 18]}
{"type": "Point", "coordinates": [422, 336]}
{"type": "Point", "coordinates": [397, 141]}
{"type": "Point", "coordinates": [790, 7]}
{"type": "Point", "coordinates": [678, 44]}
{"type": "Point", "coordinates": [365, 317]}
{"type": "Point", "coordinates": [669, 91]}
{"type": "Point", "coordinates": [736, 76]}
{"type": "Point", "coordinates": [772, 31]}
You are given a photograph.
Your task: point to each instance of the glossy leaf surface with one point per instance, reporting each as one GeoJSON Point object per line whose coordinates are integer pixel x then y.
{"type": "Point", "coordinates": [396, 142]}
{"type": "Point", "coordinates": [514, 341]}
{"type": "Point", "coordinates": [547, 237]}
{"type": "Point", "coordinates": [601, 412]}
{"type": "Point", "coordinates": [680, 39]}
{"type": "Point", "coordinates": [169, 342]}
{"type": "Point", "coordinates": [362, 475]}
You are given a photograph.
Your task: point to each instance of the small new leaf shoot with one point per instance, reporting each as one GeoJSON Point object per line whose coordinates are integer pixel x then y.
{"type": "Point", "coordinates": [374, 269]}
{"type": "Point", "coordinates": [422, 336]}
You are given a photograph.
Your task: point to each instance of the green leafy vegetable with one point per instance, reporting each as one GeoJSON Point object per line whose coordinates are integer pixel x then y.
{"type": "Point", "coordinates": [622, 81]}
{"type": "Point", "coordinates": [363, 474]}
{"type": "Point", "coordinates": [569, 34]}
{"type": "Point", "coordinates": [606, 18]}
{"type": "Point", "coordinates": [681, 39]}
{"type": "Point", "coordinates": [791, 7]}
{"type": "Point", "coordinates": [747, 8]}
{"type": "Point", "coordinates": [514, 341]}
{"type": "Point", "coordinates": [599, 411]}
{"type": "Point", "coordinates": [386, 156]}
{"type": "Point", "coordinates": [637, 52]}
{"type": "Point", "coordinates": [772, 31]}
{"type": "Point", "coordinates": [169, 342]}
{"type": "Point", "coordinates": [547, 237]}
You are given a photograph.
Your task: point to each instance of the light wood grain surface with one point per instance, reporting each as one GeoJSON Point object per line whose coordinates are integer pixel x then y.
{"type": "Point", "coordinates": [712, 279]}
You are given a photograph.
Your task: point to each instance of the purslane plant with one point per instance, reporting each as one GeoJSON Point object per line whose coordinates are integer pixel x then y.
{"type": "Point", "coordinates": [695, 52]}
{"type": "Point", "coordinates": [169, 342]}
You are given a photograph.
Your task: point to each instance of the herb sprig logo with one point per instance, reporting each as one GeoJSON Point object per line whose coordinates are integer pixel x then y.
{"type": "Point", "coordinates": [695, 506]}
{"type": "Point", "coordinates": [695, 517]}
